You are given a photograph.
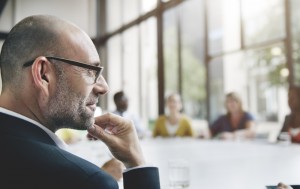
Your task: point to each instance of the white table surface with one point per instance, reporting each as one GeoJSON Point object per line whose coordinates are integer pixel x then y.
{"type": "Point", "coordinates": [227, 165]}
{"type": "Point", "coordinates": [214, 164]}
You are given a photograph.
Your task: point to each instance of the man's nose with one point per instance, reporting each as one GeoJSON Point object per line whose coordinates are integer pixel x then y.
{"type": "Point", "coordinates": [101, 86]}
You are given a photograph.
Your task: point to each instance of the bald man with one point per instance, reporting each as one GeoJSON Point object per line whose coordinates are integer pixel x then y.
{"type": "Point", "coordinates": [52, 79]}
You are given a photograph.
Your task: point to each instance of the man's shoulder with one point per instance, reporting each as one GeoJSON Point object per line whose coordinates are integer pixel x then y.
{"type": "Point", "coordinates": [39, 159]}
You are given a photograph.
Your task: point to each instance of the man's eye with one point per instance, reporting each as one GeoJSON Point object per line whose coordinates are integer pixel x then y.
{"type": "Point", "coordinates": [92, 73]}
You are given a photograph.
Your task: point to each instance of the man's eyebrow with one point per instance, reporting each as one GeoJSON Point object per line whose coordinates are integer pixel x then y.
{"type": "Point", "coordinates": [96, 64]}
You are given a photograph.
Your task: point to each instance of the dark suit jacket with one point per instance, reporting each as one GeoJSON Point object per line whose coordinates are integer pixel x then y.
{"type": "Point", "coordinates": [30, 159]}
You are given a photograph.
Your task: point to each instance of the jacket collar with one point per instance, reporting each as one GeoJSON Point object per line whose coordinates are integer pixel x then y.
{"type": "Point", "coordinates": [60, 143]}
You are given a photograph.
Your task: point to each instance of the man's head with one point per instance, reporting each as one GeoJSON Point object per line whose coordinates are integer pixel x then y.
{"type": "Point", "coordinates": [36, 75]}
{"type": "Point", "coordinates": [121, 101]}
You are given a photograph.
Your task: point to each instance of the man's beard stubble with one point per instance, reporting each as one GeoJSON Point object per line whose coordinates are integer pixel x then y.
{"type": "Point", "coordinates": [67, 109]}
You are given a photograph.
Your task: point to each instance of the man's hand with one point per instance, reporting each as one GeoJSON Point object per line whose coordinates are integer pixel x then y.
{"type": "Point", "coordinates": [115, 168]}
{"type": "Point", "coordinates": [283, 186]}
{"type": "Point", "coordinates": [120, 136]}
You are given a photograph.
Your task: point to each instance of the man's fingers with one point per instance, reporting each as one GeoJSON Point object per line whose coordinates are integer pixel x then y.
{"type": "Point", "coordinates": [108, 119]}
{"type": "Point", "coordinates": [98, 132]}
{"type": "Point", "coordinates": [91, 137]}
{"type": "Point", "coordinates": [113, 124]}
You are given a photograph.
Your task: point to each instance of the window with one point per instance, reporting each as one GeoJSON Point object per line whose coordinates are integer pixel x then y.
{"type": "Point", "coordinates": [258, 76]}
{"type": "Point", "coordinates": [149, 85]}
{"type": "Point", "coordinates": [114, 69]}
{"type": "Point", "coordinates": [264, 22]}
{"type": "Point", "coordinates": [170, 33]}
{"type": "Point", "coordinates": [192, 55]}
{"type": "Point", "coordinates": [245, 52]}
{"type": "Point", "coordinates": [148, 5]}
{"type": "Point", "coordinates": [130, 10]}
{"type": "Point", "coordinates": [131, 68]}
{"type": "Point", "coordinates": [114, 14]}
{"type": "Point", "coordinates": [223, 25]}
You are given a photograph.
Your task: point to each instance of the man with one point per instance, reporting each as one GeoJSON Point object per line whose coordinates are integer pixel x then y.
{"type": "Point", "coordinates": [52, 79]}
{"type": "Point", "coordinates": [121, 102]}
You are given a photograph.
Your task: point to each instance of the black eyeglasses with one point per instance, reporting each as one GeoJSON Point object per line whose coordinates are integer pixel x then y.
{"type": "Point", "coordinates": [98, 69]}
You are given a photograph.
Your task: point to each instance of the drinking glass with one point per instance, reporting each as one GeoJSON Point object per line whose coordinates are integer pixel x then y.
{"type": "Point", "coordinates": [178, 174]}
{"type": "Point", "coordinates": [284, 138]}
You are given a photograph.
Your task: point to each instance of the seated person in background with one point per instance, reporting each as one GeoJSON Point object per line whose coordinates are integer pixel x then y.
{"type": "Point", "coordinates": [236, 123]}
{"type": "Point", "coordinates": [69, 136]}
{"type": "Point", "coordinates": [121, 102]}
{"type": "Point", "coordinates": [174, 123]}
{"type": "Point", "coordinates": [292, 121]}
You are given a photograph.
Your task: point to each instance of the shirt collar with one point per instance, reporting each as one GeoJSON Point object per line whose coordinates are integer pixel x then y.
{"type": "Point", "coordinates": [60, 143]}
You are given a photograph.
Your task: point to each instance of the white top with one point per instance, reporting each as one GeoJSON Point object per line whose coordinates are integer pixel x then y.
{"type": "Point", "coordinates": [60, 143]}
{"type": "Point", "coordinates": [172, 128]}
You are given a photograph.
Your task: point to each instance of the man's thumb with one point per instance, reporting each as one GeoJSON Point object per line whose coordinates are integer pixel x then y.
{"type": "Point", "coordinates": [98, 132]}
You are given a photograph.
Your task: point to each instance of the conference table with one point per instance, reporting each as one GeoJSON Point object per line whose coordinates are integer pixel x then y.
{"type": "Point", "coordinates": [215, 164]}
{"type": "Point", "coordinates": [227, 164]}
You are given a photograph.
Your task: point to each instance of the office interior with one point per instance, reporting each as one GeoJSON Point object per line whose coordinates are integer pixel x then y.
{"type": "Point", "coordinates": [201, 49]}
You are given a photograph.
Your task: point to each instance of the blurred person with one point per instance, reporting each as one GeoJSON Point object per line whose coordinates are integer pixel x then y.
{"type": "Point", "coordinates": [292, 121]}
{"type": "Point", "coordinates": [121, 102]}
{"type": "Point", "coordinates": [69, 136]}
{"type": "Point", "coordinates": [174, 123]}
{"type": "Point", "coordinates": [46, 86]}
{"type": "Point", "coordinates": [236, 123]}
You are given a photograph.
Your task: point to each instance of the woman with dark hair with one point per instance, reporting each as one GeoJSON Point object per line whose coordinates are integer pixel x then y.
{"type": "Point", "coordinates": [236, 123]}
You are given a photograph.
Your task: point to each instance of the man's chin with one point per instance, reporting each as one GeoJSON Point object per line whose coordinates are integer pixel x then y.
{"type": "Point", "coordinates": [84, 125]}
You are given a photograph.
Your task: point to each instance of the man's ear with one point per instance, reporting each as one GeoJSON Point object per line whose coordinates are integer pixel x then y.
{"type": "Point", "coordinates": [41, 71]}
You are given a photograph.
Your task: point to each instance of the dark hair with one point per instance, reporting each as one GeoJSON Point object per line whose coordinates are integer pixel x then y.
{"type": "Point", "coordinates": [118, 96]}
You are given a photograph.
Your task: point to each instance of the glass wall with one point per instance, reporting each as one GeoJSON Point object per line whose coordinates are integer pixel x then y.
{"type": "Point", "coordinates": [171, 62]}
{"type": "Point", "coordinates": [219, 45]}
{"type": "Point", "coordinates": [264, 22]}
{"type": "Point", "coordinates": [131, 10]}
{"type": "Point", "coordinates": [148, 5]}
{"type": "Point", "coordinates": [114, 68]}
{"type": "Point", "coordinates": [131, 68]}
{"type": "Point", "coordinates": [259, 76]}
{"type": "Point", "coordinates": [249, 58]}
{"type": "Point", "coordinates": [192, 59]}
{"type": "Point", "coordinates": [113, 14]}
{"type": "Point", "coordinates": [267, 82]}
{"type": "Point", "coordinates": [149, 81]}
{"type": "Point", "coordinates": [223, 25]}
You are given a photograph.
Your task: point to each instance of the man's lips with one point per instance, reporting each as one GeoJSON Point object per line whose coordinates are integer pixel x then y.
{"type": "Point", "coordinates": [92, 106]}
